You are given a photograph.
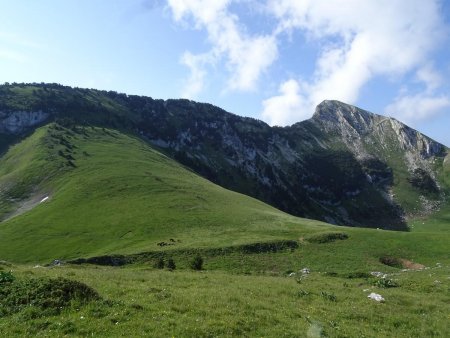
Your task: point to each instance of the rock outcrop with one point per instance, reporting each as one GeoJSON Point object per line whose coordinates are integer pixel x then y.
{"type": "Point", "coordinates": [18, 121]}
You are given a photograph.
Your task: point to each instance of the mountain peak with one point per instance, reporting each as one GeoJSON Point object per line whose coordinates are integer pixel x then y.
{"type": "Point", "coordinates": [335, 113]}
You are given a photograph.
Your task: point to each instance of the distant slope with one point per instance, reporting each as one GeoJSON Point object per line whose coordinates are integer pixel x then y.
{"type": "Point", "coordinates": [112, 193]}
{"type": "Point", "coordinates": [345, 165]}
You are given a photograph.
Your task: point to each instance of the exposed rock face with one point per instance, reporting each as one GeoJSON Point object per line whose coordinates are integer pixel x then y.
{"type": "Point", "coordinates": [18, 121]}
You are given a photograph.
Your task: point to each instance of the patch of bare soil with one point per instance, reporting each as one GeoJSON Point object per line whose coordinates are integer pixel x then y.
{"type": "Point", "coordinates": [411, 265]}
{"type": "Point", "coordinates": [401, 263]}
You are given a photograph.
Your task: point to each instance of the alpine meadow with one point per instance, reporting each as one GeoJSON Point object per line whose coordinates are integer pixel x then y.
{"type": "Point", "coordinates": [127, 216]}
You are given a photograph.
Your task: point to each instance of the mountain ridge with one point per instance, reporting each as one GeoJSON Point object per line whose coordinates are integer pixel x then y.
{"type": "Point", "coordinates": [345, 165]}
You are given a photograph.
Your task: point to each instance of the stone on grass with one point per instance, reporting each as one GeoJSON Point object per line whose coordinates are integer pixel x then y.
{"type": "Point", "coordinates": [376, 297]}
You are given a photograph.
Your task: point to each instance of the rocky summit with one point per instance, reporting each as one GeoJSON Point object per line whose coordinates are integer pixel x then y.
{"type": "Point", "coordinates": [345, 165]}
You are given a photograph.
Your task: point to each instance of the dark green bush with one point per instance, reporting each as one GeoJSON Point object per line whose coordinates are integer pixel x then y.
{"type": "Point", "coordinates": [329, 296]}
{"type": "Point", "coordinates": [197, 263]}
{"type": "Point", "coordinates": [327, 237]}
{"type": "Point", "coordinates": [171, 264]}
{"type": "Point", "coordinates": [50, 295]}
{"type": "Point", "coordinates": [6, 277]}
{"type": "Point", "coordinates": [159, 263]}
{"type": "Point", "coordinates": [391, 261]}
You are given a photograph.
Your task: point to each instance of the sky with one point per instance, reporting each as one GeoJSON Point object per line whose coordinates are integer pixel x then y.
{"type": "Point", "coordinates": [274, 60]}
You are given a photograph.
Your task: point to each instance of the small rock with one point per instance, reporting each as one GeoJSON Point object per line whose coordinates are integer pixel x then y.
{"type": "Point", "coordinates": [378, 274]}
{"type": "Point", "coordinates": [292, 274]}
{"type": "Point", "coordinates": [305, 271]}
{"type": "Point", "coordinates": [376, 297]}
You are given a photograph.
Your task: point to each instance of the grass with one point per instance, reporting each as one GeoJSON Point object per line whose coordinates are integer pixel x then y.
{"type": "Point", "coordinates": [142, 301]}
{"type": "Point", "coordinates": [112, 193]}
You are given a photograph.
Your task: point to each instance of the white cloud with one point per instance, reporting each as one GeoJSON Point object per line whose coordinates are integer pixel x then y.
{"type": "Point", "coordinates": [290, 104]}
{"type": "Point", "coordinates": [413, 108]}
{"type": "Point", "coordinates": [360, 40]}
{"type": "Point", "coordinates": [430, 77]}
{"type": "Point", "coordinates": [246, 56]}
{"type": "Point", "coordinates": [196, 82]}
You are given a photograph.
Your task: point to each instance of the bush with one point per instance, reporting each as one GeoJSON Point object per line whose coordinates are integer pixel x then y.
{"type": "Point", "coordinates": [171, 264]}
{"type": "Point", "coordinates": [197, 263]}
{"type": "Point", "coordinates": [50, 295]}
{"type": "Point", "coordinates": [329, 296]}
{"type": "Point", "coordinates": [6, 277]}
{"type": "Point", "coordinates": [327, 237]}
{"type": "Point", "coordinates": [385, 283]}
{"type": "Point", "coordinates": [159, 263]}
{"type": "Point", "coordinates": [391, 261]}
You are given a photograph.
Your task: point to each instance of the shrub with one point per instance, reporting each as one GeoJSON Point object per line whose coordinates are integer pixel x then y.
{"type": "Point", "coordinates": [6, 277]}
{"type": "Point", "coordinates": [50, 295]}
{"type": "Point", "coordinates": [171, 264]}
{"type": "Point", "coordinates": [328, 296]}
{"type": "Point", "coordinates": [327, 237]}
{"type": "Point", "coordinates": [385, 283]}
{"type": "Point", "coordinates": [159, 263]}
{"type": "Point", "coordinates": [391, 261]}
{"type": "Point", "coordinates": [197, 263]}
{"type": "Point", "coordinates": [302, 293]}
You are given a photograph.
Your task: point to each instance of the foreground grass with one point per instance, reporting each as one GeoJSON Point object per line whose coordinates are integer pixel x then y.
{"type": "Point", "coordinates": [143, 301]}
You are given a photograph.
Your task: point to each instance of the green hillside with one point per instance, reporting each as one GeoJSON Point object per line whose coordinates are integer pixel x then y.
{"type": "Point", "coordinates": [112, 193]}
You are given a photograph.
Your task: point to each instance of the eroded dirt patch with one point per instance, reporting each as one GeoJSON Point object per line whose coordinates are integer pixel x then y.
{"type": "Point", "coordinates": [401, 263]}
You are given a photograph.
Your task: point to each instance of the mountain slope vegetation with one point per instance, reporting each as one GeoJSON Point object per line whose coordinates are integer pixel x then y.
{"type": "Point", "coordinates": [103, 178]}
{"type": "Point", "coordinates": [344, 166]}
{"type": "Point", "coordinates": [92, 191]}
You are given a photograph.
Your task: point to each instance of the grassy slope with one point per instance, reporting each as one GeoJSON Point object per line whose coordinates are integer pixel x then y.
{"type": "Point", "coordinates": [125, 197]}
{"type": "Point", "coordinates": [149, 302]}
{"type": "Point", "coordinates": [122, 197]}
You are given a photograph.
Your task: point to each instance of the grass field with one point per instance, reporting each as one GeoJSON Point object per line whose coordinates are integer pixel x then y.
{"type": "Point", "coordinates": [110, 193]}
{"type": "Point", "coordinates": [142, 301]}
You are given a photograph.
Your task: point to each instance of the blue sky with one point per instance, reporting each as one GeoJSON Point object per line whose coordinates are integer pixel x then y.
{"type": "Point", "coordinates": [273, 60]}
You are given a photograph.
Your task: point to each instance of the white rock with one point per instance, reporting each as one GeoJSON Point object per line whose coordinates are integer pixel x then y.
{"type": "Point", "coordinates": [305, 271]}
{"type": "Point", "coordinates": [376, 296]}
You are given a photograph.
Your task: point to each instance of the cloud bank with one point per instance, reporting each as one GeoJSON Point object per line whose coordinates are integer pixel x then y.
{"type": "Point", "coordinates": [246, 56]}
{"type": "Point", "coordinates": [358, 41]}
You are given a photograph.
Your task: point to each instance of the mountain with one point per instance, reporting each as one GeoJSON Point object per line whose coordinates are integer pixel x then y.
{"type": "Point", "coordinates": [344, 166]}
{"type": "Point", "coordinates": [88, 191]}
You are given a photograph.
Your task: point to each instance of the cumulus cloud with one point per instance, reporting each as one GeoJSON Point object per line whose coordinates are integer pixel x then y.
{"type": "Point", "coordinates": [359, 40]}
{"type": "Point", "coordinates": [196, 81]}
{"type": "Point", "coordinates": [413, 108]}
{"type": "Point", "coordinates": [288, 105]}
{"type": "Point", "coordinates": [246, 56]}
